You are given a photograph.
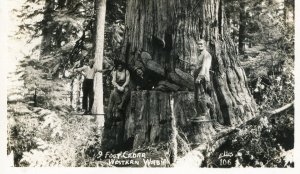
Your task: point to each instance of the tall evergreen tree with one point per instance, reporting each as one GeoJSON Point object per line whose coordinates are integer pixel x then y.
{"type": "Point", "coordinates": [99, 50]}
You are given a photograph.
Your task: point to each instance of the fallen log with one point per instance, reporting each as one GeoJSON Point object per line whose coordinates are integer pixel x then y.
{"type": "Point", "coordinates": [207, 147]}
{"type": "Point", "coordinates": [155, 67]}
{"type": "Point", "coordinates": [151, 65]}
{"type": "Point", "coordinates": [181, 80]}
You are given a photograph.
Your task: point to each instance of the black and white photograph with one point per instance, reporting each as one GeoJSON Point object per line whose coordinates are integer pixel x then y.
{"type": "Point", "coordinates": [149, 84]}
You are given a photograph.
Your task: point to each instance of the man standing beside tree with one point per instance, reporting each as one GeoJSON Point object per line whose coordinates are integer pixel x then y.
{"type": "Point", "coordinates": [202, 80]}
{"type": "Point", "coordinates": [88, 86]}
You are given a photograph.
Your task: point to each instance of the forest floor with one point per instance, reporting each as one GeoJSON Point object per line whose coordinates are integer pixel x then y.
{"type": "Point", "coordinates": [46, 135]}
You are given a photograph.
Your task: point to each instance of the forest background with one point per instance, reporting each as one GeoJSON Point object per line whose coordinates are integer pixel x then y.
{"type": "Point", "coordinates": [42, 144]}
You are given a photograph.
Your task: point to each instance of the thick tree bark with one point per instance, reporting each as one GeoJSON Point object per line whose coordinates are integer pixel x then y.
{"type": "Point", "coordinates": [99, 49]}
{"type": "Point", "coordinates": [75, 92]}
{"type": "Point", "coordinates": [168, 31]}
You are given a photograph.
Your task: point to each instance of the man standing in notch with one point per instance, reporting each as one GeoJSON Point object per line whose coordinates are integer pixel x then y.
{"type": "Point", "coordinates": [202, 81]}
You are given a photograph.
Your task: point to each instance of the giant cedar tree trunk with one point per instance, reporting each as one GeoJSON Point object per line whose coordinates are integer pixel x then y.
{"type": "Point", "coordinates": [99, 49]}
{"type": "Point", "coordinates": [178, 24]}
{"type": "Point", "coordinates": [168, 30]}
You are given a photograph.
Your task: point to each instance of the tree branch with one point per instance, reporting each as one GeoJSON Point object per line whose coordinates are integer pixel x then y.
{"type": "Point", "coordinates": [279, 110]}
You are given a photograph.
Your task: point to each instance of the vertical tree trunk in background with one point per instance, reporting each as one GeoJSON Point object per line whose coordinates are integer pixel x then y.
{"type": "Point", "coordinates": [168, 31]}
{"type": "Point", "coordinates": [61, 3]}
{"type": "Point", "coordinates": [289, 12]}
{"type": "Point", "coordinates": [47, 31]}
{"type": "Point", "coordinates": [242, 29]}
{"type": "Point", "coordinates": [94, 29]}
{"type": "Point", "coordinates": [58, 36]}
{"type": "Point", "coordinates": [99, 49]}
